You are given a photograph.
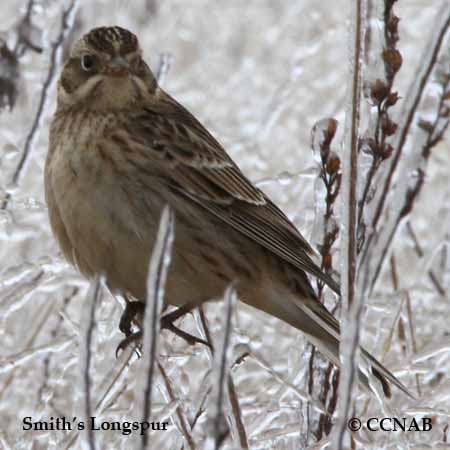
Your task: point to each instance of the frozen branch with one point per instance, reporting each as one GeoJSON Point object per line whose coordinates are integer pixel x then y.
{"type": "Point", "coordinates": [426, 137]}
{"type": "Point", "coordinates": [381, 96]}
{"type": "Point", "coordinates": [410, 106]}
{"type": "Point", "coordinates": [237, 414]}
{"type": "Point", "coordinates": [217, 425]}
{"type": "Point", "coordinates": [297, 392]}
{"type": "Point", "coordinates": [234, 400]}
{"type": "Point", "coordinates": [327, 188]}
{"type": "Point", "coordinates": [418, 249]}
{"type": "Point", "coordinates": [165, 63]}
{"type": "Point", "coordinates": [11, 362]}
{"type": "Point", "coordinates": [86, 343]}
{"type": "Point", "coordinates": [67, 21]}
{"type": "Point", "coordinates": [156, 280]}
{"type": "Point", "coordinates": [41, 321]}
{"type": "Point", "coordinates": [54, 334]}
{"type": "Point", "coordinates": [352, 305]}
{"type": "Point", "coordinates": [28, 37]}
{"type": "Point", "coordinates": [181, 416]}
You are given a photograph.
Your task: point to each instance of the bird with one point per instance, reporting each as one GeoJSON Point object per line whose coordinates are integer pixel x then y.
{"type": "Point", "coordinates": [121, 149]}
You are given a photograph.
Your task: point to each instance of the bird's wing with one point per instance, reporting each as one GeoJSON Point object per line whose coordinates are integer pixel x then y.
{"type": "Point", "coordinates": [201, 170]}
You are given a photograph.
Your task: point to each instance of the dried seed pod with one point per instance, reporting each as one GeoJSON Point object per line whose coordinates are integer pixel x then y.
{"type": "Point", "coordinates": [393, 59]}
{"type": "Point", "coordinates": [388, 126]}
{"type": "Point", "coordinates": [327, 262]}
{"type": "Point", "coordinates": [333, 163]}
{"type": "Point", "coordinates": [392, 98]}
{"type": "Point", "coordinates": [386, 151]}
{"type": "Point", "coordinates": [330, 131]}
{"type": "Point", "coordinates": [378, 91]}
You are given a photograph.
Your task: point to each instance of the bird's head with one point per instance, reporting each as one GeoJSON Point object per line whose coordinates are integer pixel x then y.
{"type": "Point", "coordinates": [106, 71]}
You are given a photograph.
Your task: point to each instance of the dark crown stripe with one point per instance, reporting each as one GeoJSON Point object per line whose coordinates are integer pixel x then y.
{"type": "Point", "coordinates": [112, 39]}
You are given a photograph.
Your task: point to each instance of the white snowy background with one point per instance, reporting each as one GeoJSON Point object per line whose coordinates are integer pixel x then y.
{"type": "Point", "coordinates": [259, 74]}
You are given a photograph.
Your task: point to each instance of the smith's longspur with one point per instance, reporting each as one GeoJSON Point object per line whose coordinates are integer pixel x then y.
{"type": "Point", "coordinates": [121, 149]}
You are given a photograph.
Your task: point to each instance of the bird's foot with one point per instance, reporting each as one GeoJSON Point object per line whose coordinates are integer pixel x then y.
{"type": "Point", "coordinates": [133, 338]}
{"type": "Point", "coordinates": [167, 324]}
{"type": "Point", "coordinates": [134, 308]}
{"type": "Point", "coordinates": [129, 316]}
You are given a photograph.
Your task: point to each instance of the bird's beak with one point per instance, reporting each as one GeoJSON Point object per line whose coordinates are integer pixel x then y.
{"type": "Point", "coordinates": [118, 67]}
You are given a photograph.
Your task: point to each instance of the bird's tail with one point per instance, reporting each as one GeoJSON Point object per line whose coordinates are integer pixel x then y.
{"type": "Point", "coordinates": [322, 330]}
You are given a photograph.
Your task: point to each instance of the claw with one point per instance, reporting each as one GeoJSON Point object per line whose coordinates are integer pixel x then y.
{"type": "Point", "coordinates": [132, 309]}
{"type": "Point", "coordinates": [132, 338]}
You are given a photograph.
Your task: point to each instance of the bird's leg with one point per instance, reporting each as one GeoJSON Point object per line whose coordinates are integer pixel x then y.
{"type": "Point", "coordinates": [168, 319]}
{"type": "Point", "coordinates": [129, 315]}
{"type": "Point", "coordinates": [133, 308]}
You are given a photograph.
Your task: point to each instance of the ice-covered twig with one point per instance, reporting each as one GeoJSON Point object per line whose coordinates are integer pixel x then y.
{"type": "Point", "coordinates": [28, 37]}
{"type": "Point", "coordinates": [234, 400]}
{"type": "Point", "coordinates": [180, 414]}
{"type": "Point", "coordinates": [380, 95]}
{"type": "Point", "coordinates": [112, 387]}
{"type": "Point", "coordinates": [39, 326]}
{"type": "Point", "coordinates": [20, 292]}
{"type": "Point", "coordinates": [414, 167]}
{"type": "Point", "coordinates": [67, 21]}
{"type": "Point", "coordinates": [156, 280]}
{"type": "Point", "coordinates": [54, 333]}
{"type": "Point", "coordinates": [413, 337]}
{"type": "Point", "coordinates": [413, 99]}
{"type": "Point", "coordinates": [296, 391]}
{"type": "Point", "coordinates": [217, 425]}
{"type": "Point", "coordinates": [327, 189]}
{"type": "Point", "coordinates": [351, 304]}
{"type": "Point", "coordinates": [165, 63]}
{"type": "Point", "coordinates": [329, 177]}
{"type": "Point", "coordinates": [12, 362]}
{"type": "Point", "coordinates": [418, 249]}
{"type": "Point", "coordinates": [86, 343]}
{"type": "Point", "coordinates": [4, 442]}
{"type": "Point", "coordinates": [237, 414]}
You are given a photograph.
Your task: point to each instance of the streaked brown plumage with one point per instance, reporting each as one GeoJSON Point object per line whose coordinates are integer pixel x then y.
{"type": "Point", "coordinates": [120, 149]}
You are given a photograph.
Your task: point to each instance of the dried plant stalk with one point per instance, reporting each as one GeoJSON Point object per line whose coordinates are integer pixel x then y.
{"type": "Point", "coordinates": [156, 280]}
{"type": "Point", "coordinates": [351, 305]}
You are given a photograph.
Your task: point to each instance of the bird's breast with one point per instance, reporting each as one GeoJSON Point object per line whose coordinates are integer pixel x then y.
{"type": "Point", "coordinates": [97, 209]}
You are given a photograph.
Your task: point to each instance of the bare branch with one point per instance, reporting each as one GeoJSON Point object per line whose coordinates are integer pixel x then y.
{"type": "Point", "coordinates": [165, 63]}
{"type": "Point", "coordinates": [426, 137]}
{"type": "Point", "coordinates": [67, 21]}
{"type": "Point", "coordinates": [380, 95]}
{"type": "Point", "coordinates": [28, 37]}
{"type": "Point", "coordinates": [414, 96]}
{"type": "Point", "coordinates": [237, 414]}
{"type": "Point", "coordinates": [326, 193]}
{"type": "Point", "coordinates": [86, 342]}
{"type": "Point", "coordinates": [156, 280]}
{"type": "Point", "coordinates": [352, 305]}
{"type": "Point", "coordinates": [217, 421]}
{"type": "Point", "coordinates": [183, 422]}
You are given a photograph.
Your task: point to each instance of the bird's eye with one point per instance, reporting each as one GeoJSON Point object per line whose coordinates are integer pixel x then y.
{"type": "Point", "coordinates": [88, 62]}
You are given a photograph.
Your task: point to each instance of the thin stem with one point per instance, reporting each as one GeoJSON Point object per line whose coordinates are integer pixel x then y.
{"type": "Point", "coordinates": [415, 93]}
{"type": "Point", "coordinates": [86, 356]}
{"type": "Point", "coordinates": [156, 280]}
{"type": "Point", "coordinates": [67, 22]}
{"type": "Point", "coordinates": [349, 214]}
